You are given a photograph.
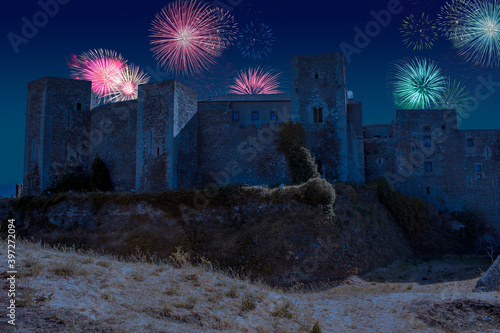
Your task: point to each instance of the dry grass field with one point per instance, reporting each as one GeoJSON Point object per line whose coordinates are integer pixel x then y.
{"type": "Point", "coordinates": [63, 290]}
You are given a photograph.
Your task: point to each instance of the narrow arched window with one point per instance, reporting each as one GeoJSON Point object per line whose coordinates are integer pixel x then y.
{"type": "Point", "coordinates": [320, 115]}
{"type": "Point", "coordinates": [79, 106]}
{"type": "Point", "coordinates": [315, 115]}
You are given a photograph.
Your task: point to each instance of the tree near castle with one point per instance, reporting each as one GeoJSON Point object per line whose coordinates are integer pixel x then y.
{"type": "Point", "coordinates": [100, 179]}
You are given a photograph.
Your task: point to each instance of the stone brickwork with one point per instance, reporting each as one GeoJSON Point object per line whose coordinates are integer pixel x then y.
{"type": "Point", "coordinates": [167, 139]}
{"type": "Point", "coordinates": [57, 126]}
{"type": "Point", "coordinates": [319, 82]}
{"type": "Point", "coordinates": [113, 132]}
{"type": "Point", "coordinates": [231, 151]}
{"type": "Point", "coordinates": [426, 156]}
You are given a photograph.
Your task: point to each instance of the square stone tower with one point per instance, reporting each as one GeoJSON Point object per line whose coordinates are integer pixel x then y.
{"type": "Point", "coordinates": [57, 120]}
{"type": "Point", "coordinates": [164, 110]}
{"type": "Point", "coordinates": [319, 102]}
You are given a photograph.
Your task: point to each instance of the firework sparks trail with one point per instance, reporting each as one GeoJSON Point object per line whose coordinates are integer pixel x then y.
{"type": "Point", "coordinates": [255, 80]}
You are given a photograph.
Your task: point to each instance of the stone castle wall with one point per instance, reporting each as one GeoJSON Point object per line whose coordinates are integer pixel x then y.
{"type": "Point", "coordinates": [429, 158]}
{"type": "Point", "coordinates": [319, 81]}
{"type": "Point", "coordinates": [114, 132]}
{"type": "Point", "coordinates": [168, 140]}
{"type": "Point", "coordinates": [57, 125]}
{"type": "Point", "coordinates": [229, 153]}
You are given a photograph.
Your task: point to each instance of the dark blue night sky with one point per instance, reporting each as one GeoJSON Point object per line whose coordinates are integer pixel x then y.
{"type": "Point", "coordinates": [300, 27]}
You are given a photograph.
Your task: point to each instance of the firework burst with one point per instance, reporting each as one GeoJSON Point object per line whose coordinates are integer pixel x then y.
{"type": "Point", "coordinates": [255, 80]}
{"type": "Point", "coordinates": [418, 84]}
{"type": "Point", "coordinates": [419, 32]}
{"type": "Point", "coordinates": [455, 96]}
{"type": "Point", "coordinates": [103, 67]}
{"type": "Point", "coordinates": [474, 28]}
{"type": "Point", "coordinates": [188, 36]}
{"type": "Point", "coordinates": [256, 41]}
{"type": "Point", "coordinates": [131, 77]}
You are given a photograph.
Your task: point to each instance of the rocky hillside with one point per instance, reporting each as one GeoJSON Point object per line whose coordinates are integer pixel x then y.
{"type": "Point", "coordinates": [297, 234]}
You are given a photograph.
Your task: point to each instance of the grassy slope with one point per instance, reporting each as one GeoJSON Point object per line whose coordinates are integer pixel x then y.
{"type": "Point", "coordinates": [64, 291]}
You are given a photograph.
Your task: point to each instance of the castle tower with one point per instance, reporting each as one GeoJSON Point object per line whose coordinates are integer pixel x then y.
{"type": "Point", "coordinates": [164, 110]}
{"type": "Point", "coordinates": [319, 102]}
{"type": "Point", "coordinates": [57, 122]}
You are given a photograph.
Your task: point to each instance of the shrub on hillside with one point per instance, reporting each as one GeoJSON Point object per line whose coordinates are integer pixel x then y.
{"type": "Point", "coordinates": [77, 181]}
{"type": "Point", "coordinates": [100, 179]}
{"type": "Point", "coordinates": [412, 214]}
{"type": "Point", "coordinates": [318, 192]}
{"type": "Point", "coordinates": [474, 226]}
{"type": "Point", "coordinates": [293, 144]}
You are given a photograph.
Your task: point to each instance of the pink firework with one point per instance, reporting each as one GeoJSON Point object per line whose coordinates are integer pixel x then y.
{"type": "Point", "coordinates": [131, 77]}
{"type": "Point", "coordinates": [188, 36]}
{"type": "Point", "coordinates": [103, 67]}
{"type": "Point", "coordinates": [255, 81]}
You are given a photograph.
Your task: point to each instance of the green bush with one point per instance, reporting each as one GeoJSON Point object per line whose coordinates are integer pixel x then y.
{"type": "Point", "coordinates": [293, 144]}
{"type": "Point", "coordinates": [100, 179]}
{"type": "Point", "coordinates": [412, 214]}
{"type": "Point", "coordinates": [317, 192]}
{"type": "Point", "coordinates": [78, 181]}
{"type": "Point", "coordinates": [474, 225]}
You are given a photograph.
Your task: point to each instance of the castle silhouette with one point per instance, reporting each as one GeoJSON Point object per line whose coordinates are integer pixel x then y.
{"type": "Point", "coordinates": [167, 139]}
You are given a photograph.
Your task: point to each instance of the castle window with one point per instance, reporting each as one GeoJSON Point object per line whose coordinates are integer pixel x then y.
{"type": "Point", "coordinates": [315, 115]}
{"type": "Point", "coordinates": [427, 128]}
{"type": "Point", "coordinates": [443, 128]}
{"type": "Point", "coordinates": [316, 76]}
{"type": "Point", "coordinates": [427, 141]}
{"type": "Point", "coordinates": [255, 115]}
{"type": "Point", "coordinates": [478, 168]}
{"type": "Point", "coordinates": [236, 116]}
{"type": "Point", "coordinates": [158, 151]}
{"type": "Point", "coordinates": [274, 115]}
{"type": "Point", "coordinates": [428, 190]}
{"type": "Point", "coordinates": [428, 166]}
{"type": "Point", "coordinates": [470, 142]}
{"type": "Point", "coordinates": [377, 136]}
{"type": "Point", "coordinates": [79, 106]}
{"type": "Point", "coordinates": [479, 176]}
{"type": "Point", "coordinates": [320, 115]}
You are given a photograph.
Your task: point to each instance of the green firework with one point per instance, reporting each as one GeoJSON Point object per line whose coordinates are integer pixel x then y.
{"type": "Point", "coordinates": [455, 96]}
{"type": "Point", "coordinates": [418, 84]}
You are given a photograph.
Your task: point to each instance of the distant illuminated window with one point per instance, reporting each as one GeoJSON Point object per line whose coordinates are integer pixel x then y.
{"type": "Point", "coordinates": [428, 166]}
{"type": "Point", "coordinates": [479, 176]}
{"type": "Point", "coordinates": [255, 115]}
{"type": "Point", "coordinates": [274, 115]}
{"type": "Point", "coordinates": [478, 168]}
{"type": "Point", "coordinates": [470, 142]}
{"type": "Point", "coordinates": [427, 141]}
{"type": "Point", "coordinates": [236, 115]}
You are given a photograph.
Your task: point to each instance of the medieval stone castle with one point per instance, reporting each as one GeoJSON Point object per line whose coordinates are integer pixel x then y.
{"type": "Point", "coordinates": [167, 139]}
